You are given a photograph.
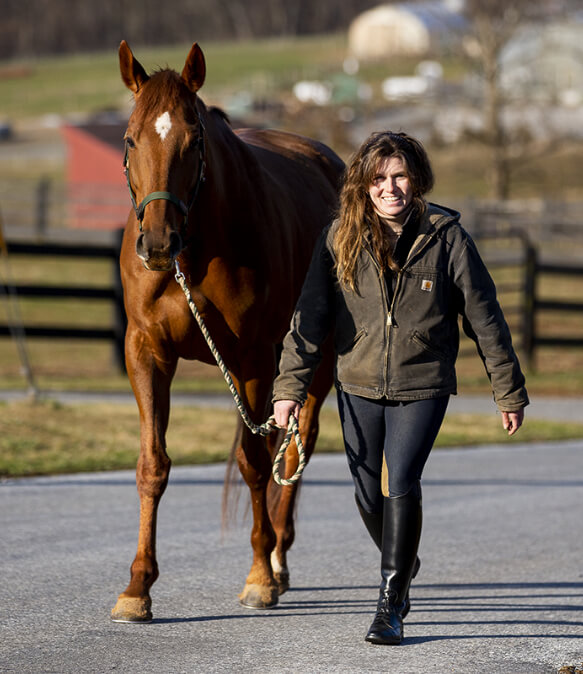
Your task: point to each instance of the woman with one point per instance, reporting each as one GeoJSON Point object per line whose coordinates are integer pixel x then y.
{"type": "Point", "coordinates": [390, 278]}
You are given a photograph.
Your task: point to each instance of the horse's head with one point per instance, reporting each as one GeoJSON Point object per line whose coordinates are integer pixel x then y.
{"type": "Point", "coordinates": [164, 160]}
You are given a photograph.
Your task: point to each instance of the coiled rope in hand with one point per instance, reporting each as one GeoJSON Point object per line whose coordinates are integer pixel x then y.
{"type": "Point", "coordinates": [264, 429]}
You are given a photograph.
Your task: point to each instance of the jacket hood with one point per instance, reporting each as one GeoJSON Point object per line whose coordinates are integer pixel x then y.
{"type": "Point", "coordinates": [439, 216]}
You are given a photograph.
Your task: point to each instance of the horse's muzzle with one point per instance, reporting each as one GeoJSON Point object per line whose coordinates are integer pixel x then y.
{"type": "Point", "coordinates": [159, 256]}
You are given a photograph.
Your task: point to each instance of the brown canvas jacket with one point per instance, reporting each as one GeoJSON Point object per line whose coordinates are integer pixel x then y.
{"type": "Point", "coordinates": [402, 345]}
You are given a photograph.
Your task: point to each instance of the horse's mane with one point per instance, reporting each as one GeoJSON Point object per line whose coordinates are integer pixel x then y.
{"type": "Point", "coordinates": [220, 113]}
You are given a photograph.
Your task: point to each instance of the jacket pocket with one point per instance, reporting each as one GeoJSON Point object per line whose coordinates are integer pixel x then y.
{"type": "Point", "coordinates": [419, 339]}
{"type": "Point", "coordinates": [352, 344]}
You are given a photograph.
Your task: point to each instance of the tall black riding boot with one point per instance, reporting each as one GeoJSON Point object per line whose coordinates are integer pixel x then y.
{"type": "Point", "coordinates": [374, 525]}
{"type": "Point", "coordinates": [402, 518]}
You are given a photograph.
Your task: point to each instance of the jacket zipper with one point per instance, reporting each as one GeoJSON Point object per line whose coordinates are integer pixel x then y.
{"type": "Point", "coordinates": [387, 309]}
{"type": "Point", "coordinates": [390, 321]}
{"type": "Point", "coordinates": [412, 253]}
{"type": "Point", "coordinates": [397, 285]}
{"type": "Point", "coordinates": [390, 325]}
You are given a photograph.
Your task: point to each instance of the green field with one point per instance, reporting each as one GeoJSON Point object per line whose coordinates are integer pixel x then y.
{"type": "Point", "coordinates": [90, 83]}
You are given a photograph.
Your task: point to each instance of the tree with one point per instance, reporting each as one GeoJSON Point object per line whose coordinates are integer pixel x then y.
{"type": "Point", "coordinates": [36, 27]}
{"type": "Point", "coordinates": [493, 24]}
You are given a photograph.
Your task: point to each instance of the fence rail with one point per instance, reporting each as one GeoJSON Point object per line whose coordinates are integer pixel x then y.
{"type": "Point", "coordinates": [519, 298]}
{"type": "Point", "coordinates": [114, 293]}
{"type": "Point", "coordinates": [528, 330]}
{"type": "Point", "coordinates": [552, 305]}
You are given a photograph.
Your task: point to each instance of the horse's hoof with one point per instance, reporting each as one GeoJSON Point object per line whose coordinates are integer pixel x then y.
{"type": "Point", "coordinates": [259, 596]}
{"type": "Point", "coordinates": [282, 580]}
{"type": "Point", "coordinates": [132, 610]}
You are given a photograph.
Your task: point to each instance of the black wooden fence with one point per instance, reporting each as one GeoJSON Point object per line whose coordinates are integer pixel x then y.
{"type": "Point", "coordinates": [114, 293]}
{"type": "Point", "coordinates": [512, 250]}
{"type": "Point", "coordinates": [534, 336]}
{"type": "Point", "coordinates": [521, 310]}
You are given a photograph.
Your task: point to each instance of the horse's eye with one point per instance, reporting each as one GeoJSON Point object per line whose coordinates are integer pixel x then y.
{"type": "Point", "coordinates": [130, 141]}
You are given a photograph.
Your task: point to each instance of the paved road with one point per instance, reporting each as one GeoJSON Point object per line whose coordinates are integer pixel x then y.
{"type": "Point", "coordinates": [500, 588]}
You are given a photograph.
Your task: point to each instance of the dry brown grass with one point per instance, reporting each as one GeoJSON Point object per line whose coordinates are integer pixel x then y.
{"type": "Point", "coordinates": [47, 437]}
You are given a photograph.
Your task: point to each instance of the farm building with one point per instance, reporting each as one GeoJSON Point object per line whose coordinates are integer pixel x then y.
{"type": "Point", "coordinates": [408, 29]}
{"type": "Point", "coordinates": [545, 62]}
{"type": "Point", "coordinates": [97, 194]}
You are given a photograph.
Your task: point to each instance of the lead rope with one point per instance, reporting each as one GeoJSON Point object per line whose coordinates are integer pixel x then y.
{"type": "Point", "coordinates": [264, 429]}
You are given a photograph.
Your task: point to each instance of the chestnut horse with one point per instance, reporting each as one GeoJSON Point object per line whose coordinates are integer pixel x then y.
{"type": "Point", "coordinates": [240, 211]}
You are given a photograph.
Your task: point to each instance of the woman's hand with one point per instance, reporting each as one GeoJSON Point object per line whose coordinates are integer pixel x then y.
{"type": "Point", "coordinates": [512, 421]}
{"type": "Point", "coordinates": [282, 409]}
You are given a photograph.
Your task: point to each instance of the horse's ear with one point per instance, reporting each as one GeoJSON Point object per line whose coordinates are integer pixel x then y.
{"type": "Point", "coordinates": [131, 69]}
{"type": "Point", "coordinates": [194, 70]}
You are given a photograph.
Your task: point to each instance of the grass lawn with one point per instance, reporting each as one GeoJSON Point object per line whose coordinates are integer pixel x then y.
{"type": "Point", "coordinates": [48, 438]}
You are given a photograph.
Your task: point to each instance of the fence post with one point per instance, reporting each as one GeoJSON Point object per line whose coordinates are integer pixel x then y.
{"type": "Point", "coordinates": [529, 309]}
{"type": "Point", "coordinates": [119, 314]}
{"type": "Point", "coordinates": [42, 206]}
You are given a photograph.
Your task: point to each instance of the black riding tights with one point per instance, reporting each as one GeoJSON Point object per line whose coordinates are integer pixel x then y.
{"type": "Point", "coordinates": [404, 431]}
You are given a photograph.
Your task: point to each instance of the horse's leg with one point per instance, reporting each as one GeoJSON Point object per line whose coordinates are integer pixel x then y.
{"type": "Point", "coordinates": [254, 461]}
{"type": "Point", "coordinates": [150, 378]}
{"type": "Point", "coordinates": [282, 505]}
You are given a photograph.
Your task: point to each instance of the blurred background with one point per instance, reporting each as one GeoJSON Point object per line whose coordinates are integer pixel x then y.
{"type": "Point", "coordinates": [493, 88]}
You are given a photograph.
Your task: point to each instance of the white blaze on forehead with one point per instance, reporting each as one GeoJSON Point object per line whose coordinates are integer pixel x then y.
{"type": "Point", "coordinates": [163, 125]}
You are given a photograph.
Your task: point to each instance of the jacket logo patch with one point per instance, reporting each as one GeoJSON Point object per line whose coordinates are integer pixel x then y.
{"type": "Point", "coordinates": [427, 285]}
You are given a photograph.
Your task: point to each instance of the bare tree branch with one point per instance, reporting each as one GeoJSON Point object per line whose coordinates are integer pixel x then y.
{"type": "Point", "coordinates": [493, 24]}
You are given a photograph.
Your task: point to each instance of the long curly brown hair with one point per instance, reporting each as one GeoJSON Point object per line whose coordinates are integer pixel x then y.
{"type": "Point", "coordinates": [358, 222]}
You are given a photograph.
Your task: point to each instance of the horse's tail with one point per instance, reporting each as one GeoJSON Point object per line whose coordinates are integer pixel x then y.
{"type": "Point", "coordinates": [232, 483]}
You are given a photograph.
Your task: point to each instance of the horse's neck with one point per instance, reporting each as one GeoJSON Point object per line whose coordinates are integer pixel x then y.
{"type": "Point", "coordinates": [224, 218]}
{"type": "Point", "coordinates": [232, 171]}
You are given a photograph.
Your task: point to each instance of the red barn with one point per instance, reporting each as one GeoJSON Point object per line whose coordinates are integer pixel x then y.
{"type": "Point", "coordinates": [97, 193]}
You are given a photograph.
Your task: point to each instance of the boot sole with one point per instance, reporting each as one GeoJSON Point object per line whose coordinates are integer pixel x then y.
{"type": "Point", "coordinates": [383, 642]}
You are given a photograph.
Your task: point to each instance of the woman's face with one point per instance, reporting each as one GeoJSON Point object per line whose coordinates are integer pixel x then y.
{"type": "Point", "coordinates": [390, 191]}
